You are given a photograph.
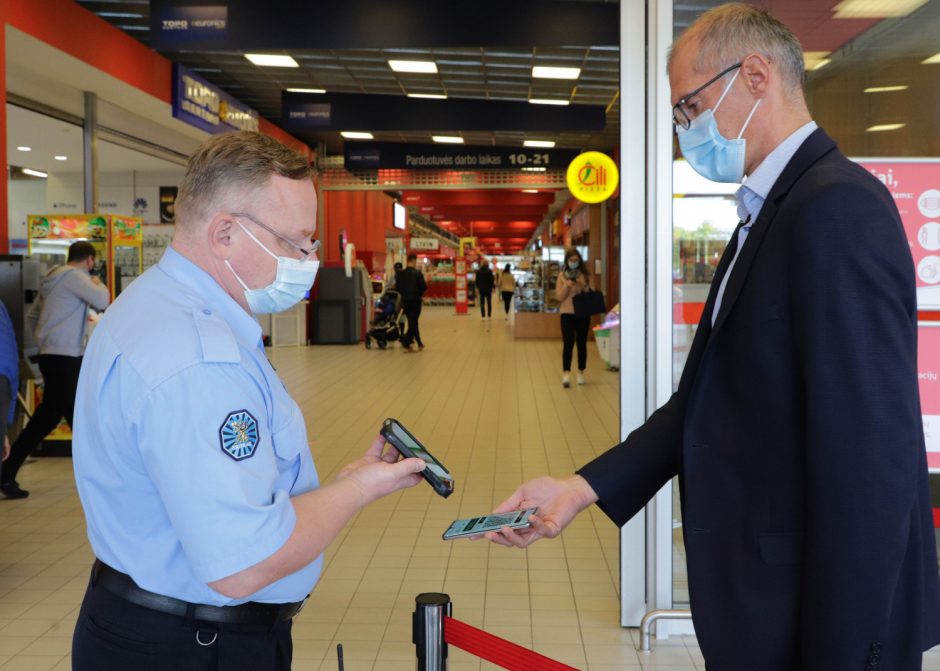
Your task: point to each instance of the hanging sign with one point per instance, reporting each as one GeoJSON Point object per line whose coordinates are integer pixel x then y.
{"type": "Point", "coordinates": [207, 107]}
{"type": "Point", "coordinates": [592, 177]}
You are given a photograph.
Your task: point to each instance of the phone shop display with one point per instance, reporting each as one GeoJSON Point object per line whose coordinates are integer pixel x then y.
{"type": "Point", "coordinates": [118, 241]}
{"type": "Point", "coordinates": [474, 526]}
{"type": "Point", "coordinates": [409, 446]}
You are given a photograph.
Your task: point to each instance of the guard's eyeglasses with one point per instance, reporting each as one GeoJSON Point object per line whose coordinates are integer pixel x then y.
{"type": "Point", "coordinates": [314, 244]}
{"type": "Point", "coordinates": [682, 112]}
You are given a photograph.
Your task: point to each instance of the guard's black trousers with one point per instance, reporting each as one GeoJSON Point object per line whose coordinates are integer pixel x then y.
{"type": "Point", "coordinates": [112, 634]}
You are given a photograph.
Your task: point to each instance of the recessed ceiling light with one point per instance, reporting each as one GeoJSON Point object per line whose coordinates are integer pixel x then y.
{"type": "Point", "coordinates": [429, 96]}
{"type": "Point", "coordinates": [885, 126]}
{"type": "Point", "coordinates": [548, 101]}
{"type": "Point", "coordinates": [60, 157]}
{"type": "Point", "coordinates": [546, 144]}
{"type": "Point", "coordinates": [547, 72]}
{"type": "Point", "coordinates": [447, 139]}
{"type": "Point", "coordinates": [35, 173]}
{"type": "Point", "coordinates": [23, 147]}
{"type": "Point", "coordinates": [306, 90]}
{"type": "Point", "coordinates": [272, 60]}
{"type": "Point", "coordinates": [875, 9]}
{"type": "Point", "coordinates": [885, 89]}
{"type": "Point", "coordinates": [933, 60]}
{"type": "Point", "coordinates": [421, 67]}
{"type": "Point", "coordinates": [534, 169]}
{"type": "Point", "coordinates": [355, 135]}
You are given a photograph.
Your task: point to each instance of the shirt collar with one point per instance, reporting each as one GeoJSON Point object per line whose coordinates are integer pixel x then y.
{"type": "Point", "coordinates": [208, 295]}
{"type": "Point", "coordinates": [754, 191]}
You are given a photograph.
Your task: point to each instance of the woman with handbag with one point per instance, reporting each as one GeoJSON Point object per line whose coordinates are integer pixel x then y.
{"type": "Point", "coordinates": [574, 279]}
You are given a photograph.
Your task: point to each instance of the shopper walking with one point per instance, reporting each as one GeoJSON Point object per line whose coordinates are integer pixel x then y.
{"type": "Point", "coordinates": [411, 287]}
{"type": "Point", "coordinates": [572, 280]}
{"type": "Point", "coordinates": [485, 282]}
{"type": "Point", "coordinates": [65, 294]}
{"type": "Point", "coordinates": [507, 287]}
{"type": "Point", "coordinates": [204, 510]}
{"type": "Point", "coordinates": [9, 379]}
{"type": "Point", "coordinates": [796, 429]}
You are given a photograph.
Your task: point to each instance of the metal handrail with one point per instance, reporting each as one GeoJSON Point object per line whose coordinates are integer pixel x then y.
{"type": "Point", "coordinates": [654, 615]}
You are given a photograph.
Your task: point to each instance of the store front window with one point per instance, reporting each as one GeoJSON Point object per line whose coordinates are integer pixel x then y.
{"type": "Point", "coordinates": [873, 84]}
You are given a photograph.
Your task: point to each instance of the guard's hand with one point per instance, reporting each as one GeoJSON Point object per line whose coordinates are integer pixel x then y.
{"type": "Point", "coordinates": [381, 471]}
{"type": "Point", "coordinates": [6, 448]}
{"type": "Point", "coordinates": [558, 502]}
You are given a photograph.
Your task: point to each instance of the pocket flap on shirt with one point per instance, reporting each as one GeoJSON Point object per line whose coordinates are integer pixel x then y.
{"type": "Point", "coordinates": [780, 549]}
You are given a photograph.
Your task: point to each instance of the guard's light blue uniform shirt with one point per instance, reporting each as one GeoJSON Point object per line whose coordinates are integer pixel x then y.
{"type": "Point", "coordinates": [187, 447]}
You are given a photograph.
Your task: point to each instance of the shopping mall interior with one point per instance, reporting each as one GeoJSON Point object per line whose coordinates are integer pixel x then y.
{"type": "Point", "coordinates": [449, 137]}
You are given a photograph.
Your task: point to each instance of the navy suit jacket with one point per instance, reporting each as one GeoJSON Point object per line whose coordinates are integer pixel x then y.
{"type": "Point", "coordinates": [796, 433]}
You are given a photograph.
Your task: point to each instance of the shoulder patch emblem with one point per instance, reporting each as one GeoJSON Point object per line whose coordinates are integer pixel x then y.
{"type": "Point", "coordinates": [238, 435]}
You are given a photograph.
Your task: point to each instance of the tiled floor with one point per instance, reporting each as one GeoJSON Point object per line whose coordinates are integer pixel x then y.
{"type": "Point", "coordinates": [490, 408]}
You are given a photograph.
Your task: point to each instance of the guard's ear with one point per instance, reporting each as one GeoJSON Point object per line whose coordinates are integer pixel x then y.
{"type": "Point", "coordinates": [219, 235]}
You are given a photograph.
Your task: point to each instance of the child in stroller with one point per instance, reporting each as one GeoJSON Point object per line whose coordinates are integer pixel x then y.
{"type": "Point", "coordinates": [387, 324]}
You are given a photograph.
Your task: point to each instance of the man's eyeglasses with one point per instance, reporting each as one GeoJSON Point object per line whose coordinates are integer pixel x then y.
{"type": "Point", "coordinates": [314, 244]}
{"type": "Point", "coordinates": [682, 114]}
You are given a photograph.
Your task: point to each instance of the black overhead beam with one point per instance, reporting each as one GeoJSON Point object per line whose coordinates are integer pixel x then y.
{"type": "Point", "coordinates": [313, 113]}
{"type": "Point", "coordinates": [380, 24]}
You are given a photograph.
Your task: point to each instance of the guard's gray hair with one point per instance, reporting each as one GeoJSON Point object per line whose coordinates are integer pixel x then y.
{"type": "Point", "coordinates": [728, 33]}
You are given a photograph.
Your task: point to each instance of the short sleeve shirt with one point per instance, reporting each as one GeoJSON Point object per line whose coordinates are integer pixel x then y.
{"type": "Point", "coordinates": [187, 447]}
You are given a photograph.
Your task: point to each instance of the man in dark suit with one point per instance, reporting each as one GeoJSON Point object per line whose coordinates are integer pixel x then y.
{"type": "Point", "coordinates": [796, 430]}
{"type": "Point", "coordinates": [411, 286]}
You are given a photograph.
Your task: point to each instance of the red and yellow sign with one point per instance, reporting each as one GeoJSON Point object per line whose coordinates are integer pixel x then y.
{"type": "Point", "coordinates": [592, 177]}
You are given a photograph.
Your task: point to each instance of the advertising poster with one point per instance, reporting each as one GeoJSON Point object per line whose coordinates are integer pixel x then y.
{"type": "Point", "coordinates": [915, 186]}
{"type": "Point", "coordinates": [928, 379]}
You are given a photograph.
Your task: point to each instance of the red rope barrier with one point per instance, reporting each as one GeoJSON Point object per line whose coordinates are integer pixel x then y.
{"type": "Point", "coordinates": [494, 649]}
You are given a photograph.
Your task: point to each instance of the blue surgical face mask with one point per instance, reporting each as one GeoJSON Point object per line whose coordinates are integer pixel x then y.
{"type": "Point", "coordinates": [573, 264]}
{"type": "Point", "coordinates": [711, 154]}
{"type": "Point", "coordinates": [292, 282]}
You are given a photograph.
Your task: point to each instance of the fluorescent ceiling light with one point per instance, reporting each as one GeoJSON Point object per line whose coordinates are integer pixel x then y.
{"type": "Point", "coordinates": [60, 157]}
{"type": "Point", "coordinates": [886, 89]}
{"type": "Point", "coordinates": [812, 59]}
{"type": "Point", "coordinates": [821, 64]}
{"type": "Point", "coordinates": [933, 60]}
{"type": "Point", "coordinates": [429, 96]}
{"type": "Point", "coordinates": [885, 126]}
{"type": "Point", "coordinates": [547, 72]}
{"type": "Point", "coordinates": [23, 147]}
{"type": "Point", "coordinates": [530, 191]}
{"type": "Point", "coordinates": [534, 169]}
{"type": "Point", "coordinates": [306, 90]}
{"type": "Point", "coordinates": [355, 135]}
{"type": "Point", "coordinates": [35, 173]}
{"type": "Point", "coordinates": [120, 15]}
{"type": "Point", "coordinates": [447, 139]}
{"type": "Point", "coordinates": [875, 9]}
{"type": "Point", "coordinates": [548, 101]}
{"type": "Point", "coordinates": [272, 60]}
{"type": "Point", "coordinates": [421, 67]}
{"type": "Point", "coordinates": [547, 144]}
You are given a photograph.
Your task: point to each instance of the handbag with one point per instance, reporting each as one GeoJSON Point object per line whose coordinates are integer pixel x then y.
{"type": "Point", "coordinates": [588, 303]}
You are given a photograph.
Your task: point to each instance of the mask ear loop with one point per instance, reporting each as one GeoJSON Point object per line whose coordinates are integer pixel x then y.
{"type": "Point", "coordinates": [251, 235]}
{"type": "Point", "coordinates": [725, 92]}
{"type": "Point", "coordinates": [754, 109]}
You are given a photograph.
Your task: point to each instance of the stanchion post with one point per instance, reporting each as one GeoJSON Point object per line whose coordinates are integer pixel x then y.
{"type": "Point", "coordinates": [428, 630]}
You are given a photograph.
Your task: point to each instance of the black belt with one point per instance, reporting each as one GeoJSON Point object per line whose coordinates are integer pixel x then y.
{"type": "Point", "coordinates": [123, 586]}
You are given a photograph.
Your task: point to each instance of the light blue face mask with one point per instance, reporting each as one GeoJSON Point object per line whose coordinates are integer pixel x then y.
{"type": "Point", "coordinates": [291, 283]}
{"type": "Point", "coordinates": [711, 154]}
{"type": "Point", "coordinates": [573, 264]}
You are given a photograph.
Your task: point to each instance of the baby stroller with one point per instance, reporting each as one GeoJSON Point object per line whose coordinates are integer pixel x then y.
{"type": "Point", "coordinates": [388, 324]}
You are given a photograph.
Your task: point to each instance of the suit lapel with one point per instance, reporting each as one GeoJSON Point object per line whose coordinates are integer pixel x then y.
{"type": "Point", "coordinates": [813, 148]}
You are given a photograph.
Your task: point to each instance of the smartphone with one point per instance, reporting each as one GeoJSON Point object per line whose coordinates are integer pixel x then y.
{"type": "Point", "coordinates": [435, 473]}
{"type": "Point", "coordinates": [517, 519]}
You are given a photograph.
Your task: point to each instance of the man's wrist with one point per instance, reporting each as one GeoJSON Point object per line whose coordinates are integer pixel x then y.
{"type": "Point", "coordinates": [583, 490]}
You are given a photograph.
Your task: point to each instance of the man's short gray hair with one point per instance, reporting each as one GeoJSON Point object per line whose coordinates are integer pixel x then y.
{"type": "Point", "coordinates": [728, 33]}
{"type": "Point", "coordinates": [240, 162]}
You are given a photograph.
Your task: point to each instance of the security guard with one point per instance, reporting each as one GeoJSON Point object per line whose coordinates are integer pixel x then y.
{"type": "Point", "coordinates": [203, 505]}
